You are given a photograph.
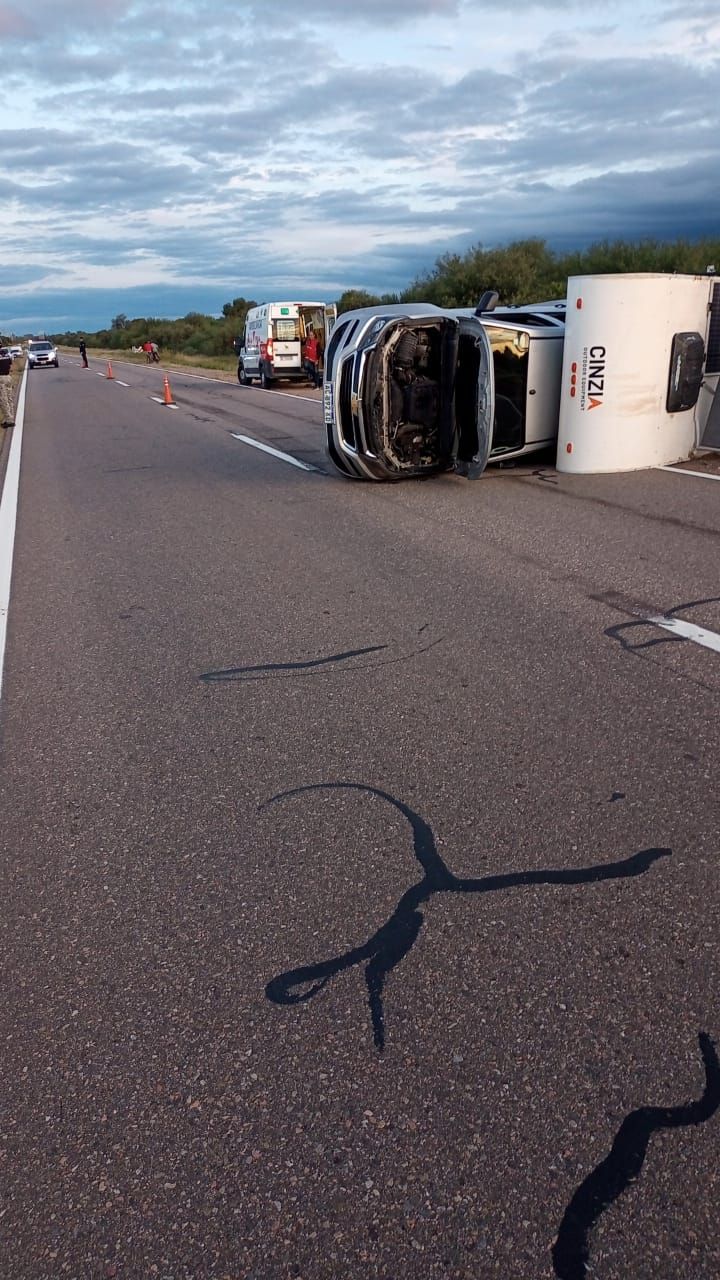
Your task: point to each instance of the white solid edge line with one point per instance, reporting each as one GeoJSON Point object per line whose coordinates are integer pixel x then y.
{"type": "Point", "coordinates": [8, 518]}
{"type": "Point", "coordinates": [266, 448]}
{"type": "Point", "coordinates": [199, 377]}
{"type": "Point", "coordinates": [708, 639]}
{"type": "Point", "coordinates": [288, 395]}
{"type": "Point", "coordinates": [703, 475]}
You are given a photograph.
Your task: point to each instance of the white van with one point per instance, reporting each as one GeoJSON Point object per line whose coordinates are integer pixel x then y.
{"type": "Point", "coordinates": [274, 339]}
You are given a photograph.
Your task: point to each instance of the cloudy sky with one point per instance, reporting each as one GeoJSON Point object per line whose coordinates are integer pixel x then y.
{"type": "Point", "coordinates": [162, 157]}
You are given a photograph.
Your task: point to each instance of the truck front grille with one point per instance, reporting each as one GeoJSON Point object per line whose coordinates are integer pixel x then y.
{"type": "Point", "coordinates": [347, 419]}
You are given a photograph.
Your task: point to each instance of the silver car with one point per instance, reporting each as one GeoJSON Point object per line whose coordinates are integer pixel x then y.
{"type": "Point", "coordinates": [40, 352]}
{"type": "Point", "coordinates": [415, 389]}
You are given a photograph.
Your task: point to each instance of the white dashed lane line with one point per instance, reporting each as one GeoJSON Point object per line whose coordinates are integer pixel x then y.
{"type": "Point", "coordinates": [678, 627]}
{"type": "Point", "coordinates": [276, 453]}
{"type": "Point", "coordinates": [687, 630]}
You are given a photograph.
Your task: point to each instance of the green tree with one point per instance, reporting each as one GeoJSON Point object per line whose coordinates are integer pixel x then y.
{"type": "Point", "coordinates": [524, 271]}
{"type": "Point", "coordinates": [238, 306]}
{"type": "Point", "coordinates": [352, 299]}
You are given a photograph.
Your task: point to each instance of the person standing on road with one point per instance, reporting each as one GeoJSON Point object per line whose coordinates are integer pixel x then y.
{"type": "Point", "coordinates": [7, 398]}
{"type": "Point", "coordinates": [83, 353]}
{"type": "Point", "coordinates": [311, 356]}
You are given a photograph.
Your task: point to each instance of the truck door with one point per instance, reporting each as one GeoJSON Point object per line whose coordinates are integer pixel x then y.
{"type": "Point", "coordinates": [286, 335]}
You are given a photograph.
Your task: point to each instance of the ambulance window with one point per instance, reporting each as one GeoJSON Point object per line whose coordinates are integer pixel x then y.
{"type": "Point", "coordinates": [286, 330]}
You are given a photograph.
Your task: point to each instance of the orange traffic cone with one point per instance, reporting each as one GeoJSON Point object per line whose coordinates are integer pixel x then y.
{"type": "Point", "coordinates": [167, 393]}
{"type": "Point", "coordinates": [109, 373]}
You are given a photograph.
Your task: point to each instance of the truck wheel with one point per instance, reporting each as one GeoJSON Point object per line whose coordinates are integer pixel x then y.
{"type": "Point", "coordinates": [243, 378]}
{"type": "Point", "coordinates": [265, 381]}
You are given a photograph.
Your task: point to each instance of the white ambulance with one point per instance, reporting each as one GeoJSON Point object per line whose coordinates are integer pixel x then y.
{"type": "Point", "coordinates": [273, 344]}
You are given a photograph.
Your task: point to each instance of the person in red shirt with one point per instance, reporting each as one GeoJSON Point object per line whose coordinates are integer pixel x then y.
{"type": "Point", "coordinates": [311, 357]}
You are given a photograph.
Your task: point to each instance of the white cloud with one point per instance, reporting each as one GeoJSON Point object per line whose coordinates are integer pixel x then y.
{"type": "Point", "coordinates": [156, 145]}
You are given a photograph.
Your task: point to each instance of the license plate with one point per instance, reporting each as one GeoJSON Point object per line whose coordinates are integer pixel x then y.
{"type": "Point", "coordinates": [328, 403]}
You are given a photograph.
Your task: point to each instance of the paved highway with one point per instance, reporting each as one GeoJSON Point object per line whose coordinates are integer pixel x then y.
{"type": "Point", "coordinates": [359, 867]}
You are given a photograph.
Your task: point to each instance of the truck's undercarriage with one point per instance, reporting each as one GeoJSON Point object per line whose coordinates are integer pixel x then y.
{"type": "Point", "coordinates": [423, 392]}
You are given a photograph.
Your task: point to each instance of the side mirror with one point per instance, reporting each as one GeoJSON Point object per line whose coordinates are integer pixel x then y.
{"type": "Point", "coordinates": [488, 302]}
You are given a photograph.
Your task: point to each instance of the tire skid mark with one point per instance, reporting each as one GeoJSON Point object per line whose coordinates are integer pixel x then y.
{"type": "Point", "coordinates": [270, 668]}
{"type": "Point", "coordinates": [623, 1165]}
{"type": "Point", "coordinates": [389, 945]}
{"type": "Point", "coordinates": [316, 666]}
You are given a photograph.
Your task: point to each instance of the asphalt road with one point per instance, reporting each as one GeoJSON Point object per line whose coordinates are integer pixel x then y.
{"type": "Point", "coordinates": [359, 868]}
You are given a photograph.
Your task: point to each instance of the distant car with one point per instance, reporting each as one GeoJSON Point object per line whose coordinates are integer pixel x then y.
{"type": "Point", "coordinates": [41, 353]}
{"type": "Point", "coordinates": [16, 352]}
{"type": "Point", "coordinates": [412, 389]}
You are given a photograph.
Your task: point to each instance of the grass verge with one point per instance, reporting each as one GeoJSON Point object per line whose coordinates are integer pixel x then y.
{"type": "Point", "coordinates": [221, 364]}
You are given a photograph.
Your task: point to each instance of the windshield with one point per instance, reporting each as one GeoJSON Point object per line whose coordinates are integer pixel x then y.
{"type": "Point", "coordinates": [40, 346]}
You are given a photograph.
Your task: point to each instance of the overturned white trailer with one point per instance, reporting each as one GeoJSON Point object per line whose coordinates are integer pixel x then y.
{"type": "Point", "coordinates": [641, 362]}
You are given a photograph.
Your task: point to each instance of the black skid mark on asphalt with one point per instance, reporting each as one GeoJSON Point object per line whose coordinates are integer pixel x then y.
{"type": "Point", "coordinates": [286, 670]}
{"type": "Point", "coordinates": [618, 632]}
{"type": "Point", "coordinates": [265, 669]}
{"type": "Point", "coordinates": [385, 949]}
{"type": "Point", "coordinates": [623, 1165]}
{"type": "Point", "coordinates": [116, 471]}
{"type": "Point", "coordinates": [634, 646]}
{"type": "Point", "coordinates": [691, 604]}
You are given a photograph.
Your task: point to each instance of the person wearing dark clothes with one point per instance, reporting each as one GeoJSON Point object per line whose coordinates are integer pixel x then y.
{"type": "Point", "coordinates": [83, 353]}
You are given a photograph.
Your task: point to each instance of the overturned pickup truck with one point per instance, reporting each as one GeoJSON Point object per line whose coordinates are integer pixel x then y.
{"type": "Point", "coordinates": [414, 389]}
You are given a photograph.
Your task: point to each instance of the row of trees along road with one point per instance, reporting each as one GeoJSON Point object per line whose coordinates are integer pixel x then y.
{"type": "Point", "coordinates": [524, 271]}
